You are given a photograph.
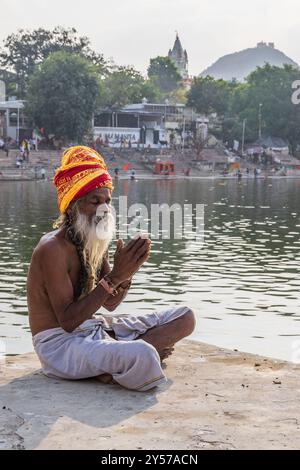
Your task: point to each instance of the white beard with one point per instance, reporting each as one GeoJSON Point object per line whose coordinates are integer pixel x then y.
{"type": "Point", "coordinates": [96, 235]}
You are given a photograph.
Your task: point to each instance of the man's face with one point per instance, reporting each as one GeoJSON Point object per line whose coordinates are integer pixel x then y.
{"type": "Point", "coordinates": [93, 218]}
{"type": "Point", "coordinates": [89, 204]}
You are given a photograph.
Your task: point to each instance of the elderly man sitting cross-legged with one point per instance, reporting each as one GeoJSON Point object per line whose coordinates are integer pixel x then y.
{"type": "Point", "coordinates": [70, 279]}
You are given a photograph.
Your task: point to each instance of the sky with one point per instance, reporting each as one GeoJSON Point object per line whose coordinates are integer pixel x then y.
{"type": "Point", "coordinates": [132, 31]}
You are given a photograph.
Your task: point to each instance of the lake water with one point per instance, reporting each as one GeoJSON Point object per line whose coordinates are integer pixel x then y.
{"type": "Point", "coordinates": [243, 284]}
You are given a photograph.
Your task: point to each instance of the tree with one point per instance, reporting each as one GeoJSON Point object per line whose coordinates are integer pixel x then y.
{"type": "Point", "coordinates": [164, 73]}
{"type": "Point", "coordinates": [151, 91]}
{"type": "Point", "coordinates": [265, 97]}
{"type": "Point", "coordinates": [269, 89]}
{"type": "Point", "coordinates": [126, 85]}
{"type": "Point", "coordinates": [10, 82]}
{"type": "Point", "coordinates": [178, 96]}
{"type": "Point", "coordinates": [199, 145]}
{"type": "Point", "coordinates": [62, 95]}
{"type": "Point", "coordinates": [208, 95]}
{"type": "Point", "coordinates": [23, 50]}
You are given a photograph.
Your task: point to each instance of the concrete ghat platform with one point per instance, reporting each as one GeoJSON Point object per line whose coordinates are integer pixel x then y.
{"type": "Point", "coordinates": [214, 399]}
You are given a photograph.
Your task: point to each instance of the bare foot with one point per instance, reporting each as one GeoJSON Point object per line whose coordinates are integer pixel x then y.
{"type": "Point", "coordinates": [165, 353]}
{"type": "Point", "coordinates": [105, 379]}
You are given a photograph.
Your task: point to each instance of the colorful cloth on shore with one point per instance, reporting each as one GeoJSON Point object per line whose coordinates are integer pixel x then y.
{"type": "Point", "coordinates": [82, 170]}
{"type": "Point", "coordinates": [89, 351]}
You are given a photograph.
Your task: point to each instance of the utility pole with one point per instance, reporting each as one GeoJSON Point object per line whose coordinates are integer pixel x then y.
{"type": "Point", "coordinates": [18, 125]}
{"type": "Point", "coordinates": [259, 121]}
{"type": "Point", "coordinates": [166, 104]}
{"type": "Point", "coordinates": [243, 137]}
{"type": "Point", "coordinates": [183, 134]}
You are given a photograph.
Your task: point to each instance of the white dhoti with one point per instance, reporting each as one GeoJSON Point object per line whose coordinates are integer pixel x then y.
{"type": "Point", "coordinates": [90, 351]}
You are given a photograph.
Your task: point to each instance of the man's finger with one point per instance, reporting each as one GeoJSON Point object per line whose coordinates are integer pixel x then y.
{"type": "Point", "coordinates": [141, 252]}
{"type": "Point", "coordinates": [120, 245]}
{"type": "Point", "coordinates": [131, 244]}
{"type": "Point", "coordinates": [143, 258]}
{"type": "Point", "coordinates": [141, 243]}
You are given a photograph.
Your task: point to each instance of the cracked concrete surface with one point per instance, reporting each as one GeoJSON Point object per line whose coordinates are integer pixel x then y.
{"type": "Point", "coordinates": [214, 399]}
{"type": "Point", "coordinates": [10, 422]}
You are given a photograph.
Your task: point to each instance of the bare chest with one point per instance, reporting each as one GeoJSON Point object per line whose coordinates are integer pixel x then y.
{"type": "Point", "coordinates": [74, 268]}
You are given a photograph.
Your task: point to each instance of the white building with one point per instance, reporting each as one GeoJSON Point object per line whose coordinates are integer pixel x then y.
{"type": "Point", "coordinates": [12, 120]}
{"type": "Point", "coordinates": [148, 124]}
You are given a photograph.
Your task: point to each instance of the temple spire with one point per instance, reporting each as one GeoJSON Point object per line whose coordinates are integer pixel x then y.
{"type": "Point", "coordinates": [179, 57]}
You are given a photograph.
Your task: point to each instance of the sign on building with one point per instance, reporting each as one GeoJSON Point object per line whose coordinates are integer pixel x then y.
{"type": "Point", "coordinates": [117, 135]}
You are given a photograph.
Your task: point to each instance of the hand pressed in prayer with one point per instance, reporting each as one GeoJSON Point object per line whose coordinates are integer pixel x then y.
{"type": "Point", "coordinates": [129, 258]}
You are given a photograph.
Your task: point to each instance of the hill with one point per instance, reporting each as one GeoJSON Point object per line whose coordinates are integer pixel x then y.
{"type": "Point", "coordinates": [240, 64]}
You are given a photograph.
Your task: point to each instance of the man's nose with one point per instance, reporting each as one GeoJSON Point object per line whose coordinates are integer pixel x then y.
{"type": "Point", "coordinates": [102, 209]}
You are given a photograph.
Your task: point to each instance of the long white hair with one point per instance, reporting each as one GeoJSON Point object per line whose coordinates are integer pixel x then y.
{"type": "Point", "coordinates": [95, 235]}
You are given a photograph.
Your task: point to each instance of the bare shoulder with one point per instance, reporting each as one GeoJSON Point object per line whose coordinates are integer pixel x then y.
{"type": "Point", "coordinates": [52, 245]}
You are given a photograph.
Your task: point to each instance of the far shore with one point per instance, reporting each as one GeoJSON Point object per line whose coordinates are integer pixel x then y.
{"type": "Point", "coordinates": [145, 176]}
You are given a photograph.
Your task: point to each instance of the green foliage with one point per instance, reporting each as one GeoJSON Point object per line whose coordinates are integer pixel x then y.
{"type": "Point", "coordinates": [125, 85]}
{"type": "Point", "coordinates": [267, 91]}
{"type": "Point", "coordinates": [270, 87]}
{"type": "Point", "coordinates": [62, 95]}
{"type": "Point", "coordinates": [208, 95]}
{"type": "Point", "coordinates": [23, 50]}
{"type": "Point", "coordinates": [10, 82]}
{"type": "Point", "coordinates": [150, 90]}
{"type": "Point", "coordinates": [67, 81]}
{"type": "Point", "coordinates": [164, 73]}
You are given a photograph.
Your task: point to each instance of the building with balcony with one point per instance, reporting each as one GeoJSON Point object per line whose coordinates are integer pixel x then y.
{"type": "Point", "coordinates": [148, 124]}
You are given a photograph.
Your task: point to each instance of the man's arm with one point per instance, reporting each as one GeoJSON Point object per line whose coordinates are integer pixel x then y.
{"type": "Point", "coordinates": [53, 261]}
{"type": "Point", "coordinates": [59, 287]}
{"type": "Point", "coordinates": [113, 301]}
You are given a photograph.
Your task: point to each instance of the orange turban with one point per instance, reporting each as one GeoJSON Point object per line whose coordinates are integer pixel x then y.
{"type": "Point", "coordinates": [82, 170]}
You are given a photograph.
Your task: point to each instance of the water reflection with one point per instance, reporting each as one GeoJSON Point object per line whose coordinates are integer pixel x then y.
{"type": "Point", "coordinates": [243, 284]}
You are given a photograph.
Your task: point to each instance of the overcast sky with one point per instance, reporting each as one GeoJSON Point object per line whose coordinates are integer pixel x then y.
{"type": "Point", "coordinates": [132, 31]}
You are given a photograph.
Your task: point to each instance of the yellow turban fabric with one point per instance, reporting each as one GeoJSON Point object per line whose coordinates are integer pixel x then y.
{"type": "Point", "coordinates": [82, 170]}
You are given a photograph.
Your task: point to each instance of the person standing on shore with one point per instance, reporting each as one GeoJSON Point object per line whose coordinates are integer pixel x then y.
{"type": "Point", "coordinates": [4, 146]}
{"type": "Point", "coordinates": [26, 150]}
